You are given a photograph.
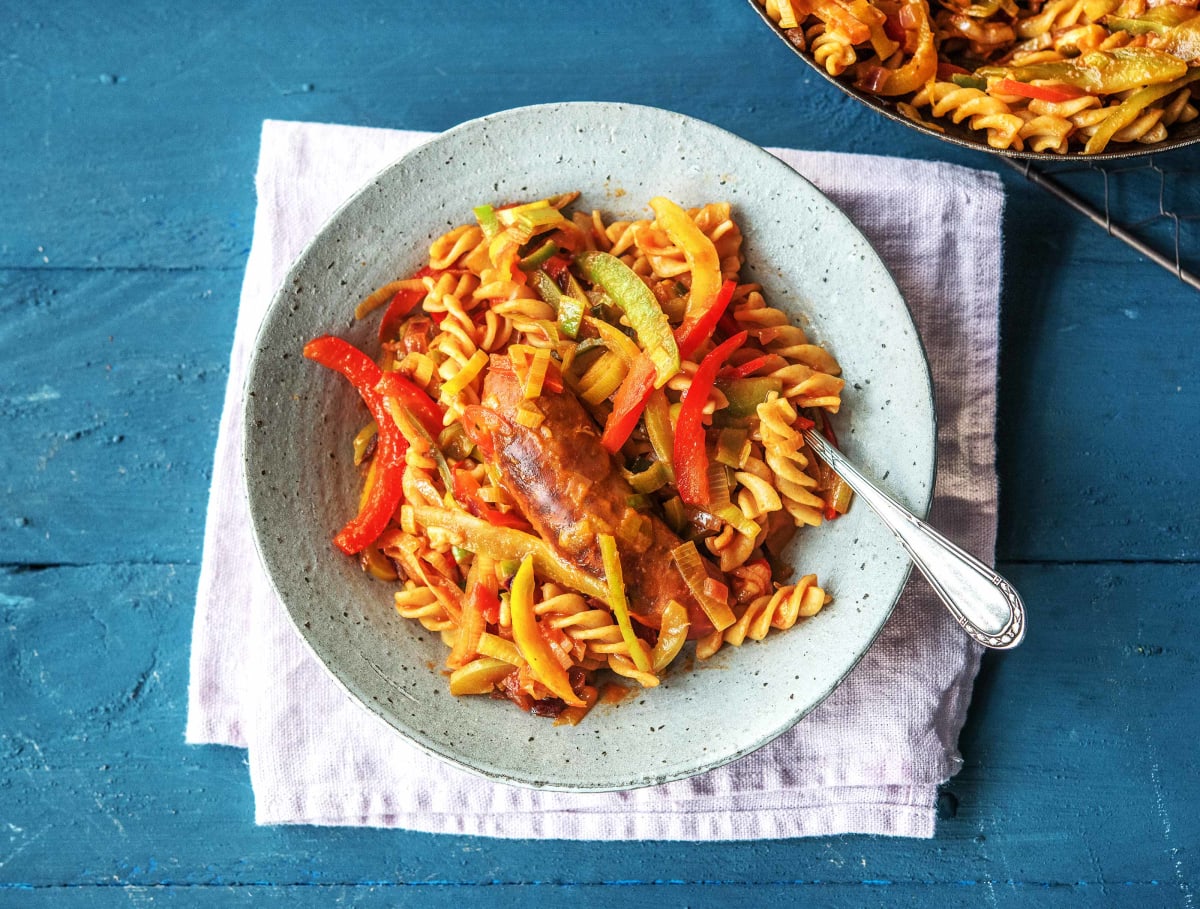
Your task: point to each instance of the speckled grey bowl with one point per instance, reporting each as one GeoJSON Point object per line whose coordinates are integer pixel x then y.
{"type": "Point", "coordinates": [300, 417]}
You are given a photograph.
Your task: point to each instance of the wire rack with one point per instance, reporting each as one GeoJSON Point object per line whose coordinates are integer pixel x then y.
{"type": "Point", "coordinates": [1152, 203]}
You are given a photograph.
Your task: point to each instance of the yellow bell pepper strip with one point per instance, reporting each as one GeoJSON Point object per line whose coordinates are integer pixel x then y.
{"type": "Point", "coordinates": [1183, 41]}
{"type": "Point", "coordinates": [632, 395]}
{"type": "Point", "coordinates": [419, 438]}
{"type": "Point", "coordinates": [699, 252]}
{"type": "Point", "coordinates": [471, 625]}
{"type": "Point", "coordinates": [617, 602]}
{"type": "Point", "coordinates": [691, 568]}
{"type": "Point", "coordinates": [479, 676]}
{"type": "Point", "coordinates": [694, 332]}
{"type": "Point", "coordinates": [615, 339]}
{"type": "Point", "coordinates": [691, 455]}
{"type": "Point", "coordinates": [920, 68]}
{"type": "Point", "coordinates": [528, 637]}
{"type": "Point", "coordinates": [671, 635]}
{"type": "Point", "coordinates": [1130, 109]}
{"type": "Point", "coordinates": [387, 490]}
{"type": "Point", "coordinates": [1101, 72]}
{"type": "Point", "coordinates": [658, 427]}
{"type": "Point", "coordinates": [636, 300]}
{"type": "Point", "coordinates": [502, 543]}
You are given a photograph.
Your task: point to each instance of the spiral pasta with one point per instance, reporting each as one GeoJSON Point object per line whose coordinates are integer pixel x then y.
{"type": "Point", "coordinates": [1125, 69]}
{"type": "Point", "coordinates": [705, 477]}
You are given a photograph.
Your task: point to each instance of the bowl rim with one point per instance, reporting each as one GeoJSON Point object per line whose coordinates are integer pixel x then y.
{"type": "Point", "coordinates": [429, 745]}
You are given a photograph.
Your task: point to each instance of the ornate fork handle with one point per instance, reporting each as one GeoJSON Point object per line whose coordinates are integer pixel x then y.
{"type": "Point", "coordinates": [984, 603]}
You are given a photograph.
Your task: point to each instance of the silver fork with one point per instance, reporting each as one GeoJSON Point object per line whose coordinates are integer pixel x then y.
{"type": "Point", "coordinates": [984, 603]}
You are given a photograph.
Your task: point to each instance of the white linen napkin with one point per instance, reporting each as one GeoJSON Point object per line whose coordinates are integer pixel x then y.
{"type": "Point", "coordinates": [868, 760]}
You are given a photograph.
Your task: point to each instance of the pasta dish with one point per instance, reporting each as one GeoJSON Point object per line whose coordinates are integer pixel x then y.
{"type": "Point", "coordinates": [1055, 76]}
{"type": "Point", "coordinates": [584, 448]}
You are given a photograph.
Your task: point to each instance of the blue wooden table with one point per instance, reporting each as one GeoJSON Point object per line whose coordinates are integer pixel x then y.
{"type": "Point", "coordinates": [128, 139]}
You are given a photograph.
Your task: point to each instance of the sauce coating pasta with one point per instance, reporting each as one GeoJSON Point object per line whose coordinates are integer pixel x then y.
{"type": "Point", "coordinates": [1047, 76]}
{"type": "Point", "coordinates": [584, 448]}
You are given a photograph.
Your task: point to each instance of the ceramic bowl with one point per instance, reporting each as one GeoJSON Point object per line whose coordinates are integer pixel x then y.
{"type": "Point", "coordinates": [302, 485]}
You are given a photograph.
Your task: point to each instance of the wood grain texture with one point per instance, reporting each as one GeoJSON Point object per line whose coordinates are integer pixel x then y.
{"type": "Point", "coordinates": [1078, 777]}
{"type": "Point", "coordinates": [127, 158]}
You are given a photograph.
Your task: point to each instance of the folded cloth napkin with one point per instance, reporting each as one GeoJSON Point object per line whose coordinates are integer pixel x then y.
{"type": "Point", "coordinates": [868, 760]}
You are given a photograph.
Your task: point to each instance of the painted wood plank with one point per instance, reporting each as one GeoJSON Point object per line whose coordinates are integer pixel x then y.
{"type": "Point", "coordinates": [1080, 767]}
{"type": "Point", "coordinates": [949, 895]}
{"type": "Point", "coordinates": [111, 392]}
{"type": "Point", "coordinates": [151, 142]}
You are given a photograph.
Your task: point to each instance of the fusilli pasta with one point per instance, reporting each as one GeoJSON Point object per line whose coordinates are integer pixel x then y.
{"type": "Point", "coordinates": [541, 549]}
{"type": "Point", "coordinates": [1110, 71]}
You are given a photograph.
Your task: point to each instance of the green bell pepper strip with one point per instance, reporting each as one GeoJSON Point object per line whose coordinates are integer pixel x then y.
{"type": "Point", "coordinates": [611, 559]}
{"type": "Point", "coordinates": [691, 455]}
{"type": "Point", "coordinates": [744, 395]}
{"type": "Point", "coordinates": [386, 491]}
{"type": "Point", "coordinates": [570, 310]}
{"type": "Point", "coordinates": [631, 295]}
{"type": "Point", "coordinates": [1158, 21]}
{"type": "Point", "coordinates": [486, 216]}
{"type": "Point", "coordinates": [538, 257]}
{"type": "Point", "coordinates": [1101, 72]}
{"type": "Point", "coordinates": [1130, 109]}
{"type": "Point", "coordinates": [967, 80]}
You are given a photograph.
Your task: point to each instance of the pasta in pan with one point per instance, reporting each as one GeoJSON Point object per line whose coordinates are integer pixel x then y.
{"type": "Point", "coordinates": [585, 448]}
{"type": "Point", "coordinates": [1053, 76]}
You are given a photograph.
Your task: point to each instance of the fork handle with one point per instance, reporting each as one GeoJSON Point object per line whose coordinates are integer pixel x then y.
{"type": "Point", "coordinates": [986, 605]}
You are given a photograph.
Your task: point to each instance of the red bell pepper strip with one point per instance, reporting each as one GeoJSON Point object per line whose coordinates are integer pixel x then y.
{"type": "Point", "coordinates": [502, 363]}
{"type": "Point", "coordinates": [748, 368]}
{"type": "Point", "coordinates": [1051, 93]}
{"type": "Point", "coordinates": [556, 265]}
{"type": "Point", "coordinates": [404, 302]}
{"type": "Point", "coordinates": [728, 325]}
{"type": "Point", "coordinates": [466, 493]}
{"type": "Point", "coordinates": [690, 335]}
{"type": "Point", "coordinates": [691, 456]}
{"type": "Point", "coordinates": [629, 403]}
{"type": "Point", "coordinates": [428, 411]}
{"type": "Point", "coordinates": [386, 492]}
